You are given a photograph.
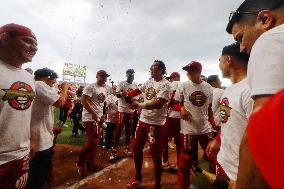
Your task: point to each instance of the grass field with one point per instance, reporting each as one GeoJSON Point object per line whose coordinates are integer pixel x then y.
{"type": "Point", "coordinates": [65, 135]}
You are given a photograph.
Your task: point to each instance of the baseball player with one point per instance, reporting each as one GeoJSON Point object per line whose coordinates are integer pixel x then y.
{"type": "Point", "coordinates": [153, 117]}
{"type": "Point", "coordinates": [124, 115]}
{"type": "Point", "coordinates": [94, 96]}
{"type": "Point", "coordinates": [195, 97]}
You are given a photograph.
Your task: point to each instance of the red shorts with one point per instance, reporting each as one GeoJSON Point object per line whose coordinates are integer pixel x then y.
{"type": "Point", "coordinates": [124, 118]}
{"type": "Point", "coordinates": [14, 174]}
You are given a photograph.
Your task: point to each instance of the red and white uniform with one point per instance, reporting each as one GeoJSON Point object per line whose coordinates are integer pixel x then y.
{"type": "Point", "coordinates": [236, 107]}
{"type": "Point", "coordinates": [196, 99]}
{"type": "Point", "coordinates": [154, 90]}
{"type": "Point", "coordinates": [171, 112]}
{"type": "Point", "coordinates": [172, 125]}
{"type": "Point", "coordinates": [111, 103]}
{"type": "Point", "coordinates": [17, 91]}
{"type": "Point", "coordinates": [124, 86]}
{"type": "Point", "coordinates": [98, 96]}
{"type": "Point", "coordinates": [217, 94]}
{"type": "Point", "coordinates": [150, 128]}
{"type": "Point", "coordinates": [125, 115]}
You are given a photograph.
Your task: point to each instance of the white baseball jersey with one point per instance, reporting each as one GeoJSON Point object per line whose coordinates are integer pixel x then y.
{"type": "Point", "coordinates": [266, 63]}
{"type": "Point", "coordinates": [124, 86]}
{"type": "Point", "coordinates": [217, 94]}
{"type": "Point", "coordinates": [197, 98]}
{"type": "Point", "coordinates": [154, 90]}
{"type": "Point", "coordinates": [173, 88]}
{"type": "Point", "coordinates": [98, 96]}
{"type": "Point", "coordinates": [111, 103]}
{"type": "Point", "coordinates": [236, 106]}
{"type": "Point", "coordinates": [17, 91]}
{"type": "Point", "coordinates": [42, 116]}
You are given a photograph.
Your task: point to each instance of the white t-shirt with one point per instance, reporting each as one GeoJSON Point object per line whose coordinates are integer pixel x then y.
{"type": "Point", "coordinates": [124, 86]}
{"type": "Point", "coordinates": [172, 113]}
{"type": "Point", "coordinates": [236, 107]}
{"type": "Point", "coordinates": [217, 94]}
{"type": "Point", "coordinates": [98, 96]}
{"type": "Point", "coordinates": [17, 91]}
{"type": "Point", "coordinates": [140, 98]}
{"type": "Point", "coordinates": [266, 63]}
{"type": "Point", "coordinates": [197, 98]}
{"type": "Point", "coordinates": [42, 116]}
{"type": "Point", "coordinates": [154, 90]}
{"type": "Point", "coordinates": [111, 103]}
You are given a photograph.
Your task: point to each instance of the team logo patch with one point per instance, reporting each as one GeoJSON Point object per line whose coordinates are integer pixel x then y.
{"type": "Point", "coordinates": [20, 95]}
{"type": "Point", "coordinates": [225, 110]}
{"type": "Point", "coordinates": [197, 98]}
{"type": "Point", "coordinates": [150, 93]}
{"type": "Point", "coordinates": [101, 97]}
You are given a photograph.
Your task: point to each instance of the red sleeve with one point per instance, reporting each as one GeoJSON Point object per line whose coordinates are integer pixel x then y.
{"type": "Point", "coordinates": [176, 106]}
{"type": "Point", "coordinates": [56, 130]}
{"type": "Point", "coordinates": [211, 121]}
{"type": "Point", "coordinates": [134, 93]}
{"type": "Point", "coordinates": [218, 136]}
{"type": "Point", "coordinates": [265, 134]}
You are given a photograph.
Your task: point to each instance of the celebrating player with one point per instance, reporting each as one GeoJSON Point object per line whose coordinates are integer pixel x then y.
{"type": "Point", "coordinates": [153, 117]}
{"type": "Point", "coordinates": [94, 96]}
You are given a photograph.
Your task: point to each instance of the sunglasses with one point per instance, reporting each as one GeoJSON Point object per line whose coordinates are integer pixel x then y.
{"type": "Point", "coordinates": [236, 15]}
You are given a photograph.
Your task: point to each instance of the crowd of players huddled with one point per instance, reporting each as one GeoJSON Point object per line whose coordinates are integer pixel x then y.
{"type": "Point", "coordinates": [240, 128]}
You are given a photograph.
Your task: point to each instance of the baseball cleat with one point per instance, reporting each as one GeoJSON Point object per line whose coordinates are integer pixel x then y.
{"type": "Point", "coordinates": [132, 184]}
{"type": "Point", "coordinates": [166, 165]}
{"type": "Point", "coordinates": [127, 151]}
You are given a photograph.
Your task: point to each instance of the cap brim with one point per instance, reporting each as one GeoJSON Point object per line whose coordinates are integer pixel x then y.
{"type": "Point", "coordinates": [186, 68]}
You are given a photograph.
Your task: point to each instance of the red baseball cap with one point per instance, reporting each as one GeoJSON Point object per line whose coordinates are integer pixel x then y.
{"type": "Point", "coordinates": [193, 65]}
{"type": "Point", "coordinates": [102, 73]}
{"type": "Point", "coordinates": [174, 74]}
{"type": "Point", "coordinates": [14, 30]}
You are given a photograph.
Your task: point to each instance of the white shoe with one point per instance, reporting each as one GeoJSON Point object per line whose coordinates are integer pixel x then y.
{"type": "Point", "coordinates": [127, 151]}
{"type": "Point", "coordinates": [166, 165]}
{"type": "Point", "coordinates": [112, 153]}
{"type": "Point", "coordinates": [112, 156]}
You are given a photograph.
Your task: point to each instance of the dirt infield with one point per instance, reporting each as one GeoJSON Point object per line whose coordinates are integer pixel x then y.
{"type": "Point", "coordinates": [114, 176]}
